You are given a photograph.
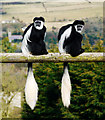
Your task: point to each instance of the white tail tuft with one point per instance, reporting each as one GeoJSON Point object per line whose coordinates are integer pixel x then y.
{"type": "Point", "coordinates": [31, 90]}
{"type": "Point", "coordinates": [66, 88]}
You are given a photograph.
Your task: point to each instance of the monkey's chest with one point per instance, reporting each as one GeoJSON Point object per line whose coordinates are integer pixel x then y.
{"type": "Point", "coordinates": [36, 44]}
{"type": "Point", "coordinates": [76, 37]}
{"type": "Point", "coordinates": [36, 35]}
{"type": "Point", "coordinates": [73, 43]}
{"type": "Point", "coordinates": [37, 48]}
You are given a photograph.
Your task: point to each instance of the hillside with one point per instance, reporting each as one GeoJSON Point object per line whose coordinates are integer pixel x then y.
{"type": "Point", "coordinates": [55, 13]}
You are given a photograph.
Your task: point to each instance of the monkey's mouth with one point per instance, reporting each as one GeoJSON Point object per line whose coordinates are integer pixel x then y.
{"type": "Point", "coordinates": [38, 24]}
{"type": "Point", "coordinates": [79, 27]}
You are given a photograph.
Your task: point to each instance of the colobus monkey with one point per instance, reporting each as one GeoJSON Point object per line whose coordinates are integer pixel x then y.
{"type": "Point", "coordinates": [33, 43]}
{"type": "Point", "coordinates": [69, 38]}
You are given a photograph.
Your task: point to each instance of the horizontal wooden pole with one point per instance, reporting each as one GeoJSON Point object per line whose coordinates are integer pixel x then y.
{"type": "Point", "coordinates": [51, 57]}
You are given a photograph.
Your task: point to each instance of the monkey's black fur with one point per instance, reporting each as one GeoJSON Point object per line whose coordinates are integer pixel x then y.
{"type": "Point", "coordinates": [36, 45]}
{"type": "Point", "coordinates": [72, 44]}
{"type": "Point", "coordinates": [33, 43]}
{"type": "Point", "coordinates": [39, 18]}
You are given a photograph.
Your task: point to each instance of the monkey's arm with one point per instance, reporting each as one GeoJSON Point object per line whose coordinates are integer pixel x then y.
{"type": "Point", "coordinates": [62, 30]}
{"type": "Point", "coordinates": [66, 42]}
{"type": "Point", "coordinates": [44, 28]}
{"type": "Point", "coordinates": [59, 34]}
{"type": "Point", "coordinates": [27, 29]}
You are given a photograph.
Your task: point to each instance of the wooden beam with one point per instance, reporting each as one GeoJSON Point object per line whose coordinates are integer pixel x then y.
{"type": "Point", "coordinates": [51, 57]}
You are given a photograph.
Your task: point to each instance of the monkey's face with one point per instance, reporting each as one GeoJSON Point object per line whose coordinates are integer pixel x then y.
{"type": "Point", "coordinates": [79, 28]}
{"type": "Point", "coordinates": [38, 24]}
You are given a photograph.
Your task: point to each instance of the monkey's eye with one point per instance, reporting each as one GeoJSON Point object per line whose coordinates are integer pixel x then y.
{"type": "Point", "coordinates": [79, 26]}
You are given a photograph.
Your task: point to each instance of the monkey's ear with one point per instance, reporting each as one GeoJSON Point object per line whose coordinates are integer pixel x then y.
{"type": "Point", "coordinates": [36, 18]}
{"type": "Point", "coordinates": [78, 22]}
{"type": "Point", "coordinates": [42, 19]}
{"type": "Point", "coordinates": [39, 18]}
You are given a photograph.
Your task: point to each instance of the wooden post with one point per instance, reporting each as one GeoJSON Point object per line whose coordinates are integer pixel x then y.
{"type": "Point", "coordinates": [51, 57]}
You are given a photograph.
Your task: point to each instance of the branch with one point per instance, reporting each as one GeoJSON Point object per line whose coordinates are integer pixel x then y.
{"type": "Point", "coordinates": [51, 57]}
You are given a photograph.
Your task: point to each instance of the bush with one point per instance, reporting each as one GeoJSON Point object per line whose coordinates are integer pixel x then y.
{"type": "Point", "coordinates": [87, 98]}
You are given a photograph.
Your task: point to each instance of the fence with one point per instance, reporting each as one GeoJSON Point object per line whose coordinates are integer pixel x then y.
{"type": "Point", "coordinates": [52, 57]}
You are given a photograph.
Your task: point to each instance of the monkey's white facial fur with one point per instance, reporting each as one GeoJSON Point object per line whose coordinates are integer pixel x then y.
{"type": "Point", "coordinates": [38, 24]}
{"type": "Point", "coordinates": [79, 28]}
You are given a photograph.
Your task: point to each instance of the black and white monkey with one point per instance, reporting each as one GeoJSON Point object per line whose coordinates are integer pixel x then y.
{"type": "Point", "coordinates": [33, 44]}
{"type": "Point", "coordinates": [69, 41]}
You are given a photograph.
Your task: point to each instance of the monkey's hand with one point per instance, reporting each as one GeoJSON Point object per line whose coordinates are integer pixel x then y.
{"type": "Point", "coordinates": [82, 50]}
{"type": "Point", "coordinates": [44, 52]}
{"type": "Point", "coordinates": [50, 54]}
{"type": "Point", "coordinates": [28, 55]}
{"type": "Point", "coordinates": [77, 53]}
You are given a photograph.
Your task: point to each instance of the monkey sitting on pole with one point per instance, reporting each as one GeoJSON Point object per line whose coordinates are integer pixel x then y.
{"type": "Point", "coordinates": [33, 44]}
{"type": "Point", "coordinates": [69, 42]}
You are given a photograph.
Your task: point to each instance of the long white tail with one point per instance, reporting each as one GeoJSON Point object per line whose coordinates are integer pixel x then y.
{"type": "Point", "coordinates": [31, 88]}
{"type": "Point", "coordinates": [66, 86]}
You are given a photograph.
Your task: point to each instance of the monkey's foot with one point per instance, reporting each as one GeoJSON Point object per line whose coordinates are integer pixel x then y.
{"type": "Point", "coordinates": [64, 53]}
{"type": "Point", "coordinates": [51, 54]}
{"type": "Point", "coordinates": [28, 55]}
{"type": "Point", "coordinates": [82, 50]}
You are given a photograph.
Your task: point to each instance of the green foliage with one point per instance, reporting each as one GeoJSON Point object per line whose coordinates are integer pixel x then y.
{"type": "Point", "coordinates": [87, 98]}
{"type": "Point", "coordinates": [97, 47]}
{"type": "Point", "coordinates": [7, 46]}
{"type": "Point", "coordinates": [49, 93]}
{"type": "Point", "coordinates": [93, 30]}
{"type": "Point", "coordinates": [51, 38]}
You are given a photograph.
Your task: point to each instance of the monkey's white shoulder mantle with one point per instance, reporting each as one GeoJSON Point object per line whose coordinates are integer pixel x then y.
{"type": "Point", "coordinates": [64, 36]}
{"type": "Point", "coordinates": [24, 46]}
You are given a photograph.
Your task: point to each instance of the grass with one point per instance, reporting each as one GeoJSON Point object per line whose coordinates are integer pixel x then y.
{"type": "Point", "coordinates": [55, 12]}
